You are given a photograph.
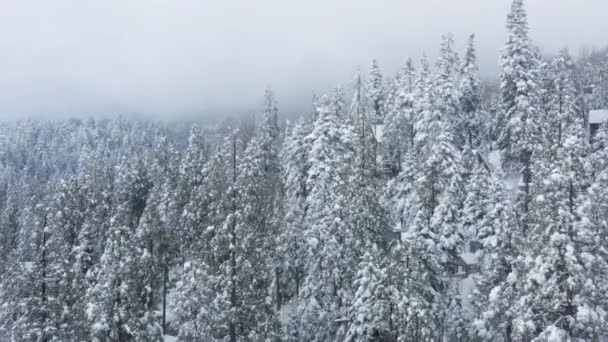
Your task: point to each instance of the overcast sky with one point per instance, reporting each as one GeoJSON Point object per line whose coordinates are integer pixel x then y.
{"type": "Point", "coordinates": [176, 57]}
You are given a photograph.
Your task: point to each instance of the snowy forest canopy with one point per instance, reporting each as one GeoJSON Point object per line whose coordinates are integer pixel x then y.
{"type": "Point", "coordinates": [421, 207]}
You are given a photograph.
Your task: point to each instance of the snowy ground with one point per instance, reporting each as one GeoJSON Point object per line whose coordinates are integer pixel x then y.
{"type": "Point", "coordinates": [467, 285]}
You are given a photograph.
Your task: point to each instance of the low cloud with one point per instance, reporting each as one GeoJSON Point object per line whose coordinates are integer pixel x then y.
{"type": "Point", "coordinates": [187, 57]}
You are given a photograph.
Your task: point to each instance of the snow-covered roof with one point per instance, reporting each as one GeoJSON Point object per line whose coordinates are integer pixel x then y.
{"type": "Point", "coordinates": [597, 116]}
{"type": "Point", "coordinates": [469, 258]}
{"type": "Point", "coordinates": [493, 159]}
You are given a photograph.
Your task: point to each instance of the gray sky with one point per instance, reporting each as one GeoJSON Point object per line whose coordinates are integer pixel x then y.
{"type": "Point", "coordinates": [175, 57]}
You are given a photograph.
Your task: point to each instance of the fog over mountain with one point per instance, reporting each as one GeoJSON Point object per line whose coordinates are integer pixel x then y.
{"type": "Point", "coordinates": [204, 58]}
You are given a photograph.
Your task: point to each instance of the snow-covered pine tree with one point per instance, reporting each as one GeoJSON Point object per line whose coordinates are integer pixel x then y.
{"type": "Point", "coordinates": [191, 178]}
{"type": "Point", "coordinates": [369, 312]}
{"type": "Point", "coordinates": [118, 305]}
{"type": "Point", "coordinates": [399, 195]}
{"type": "Point", "coordinates": [95, 181]}
{"type": "Point", "coordinates": [376, 94]}
{"type": "Point", "coordinates": [559, 280]}
{"type": "Point", "coordinates": [519, 93]}
{"type": "Point", "coordinates": [591, 229]}
{"type": "Point", "coordinates": [364, 215]}
{"type": "Point", "coordinates": [546, 104]}
{"type": "Point", "coordinates": [400, 201]}
{"type": "Point", "coordinates": [445, 90]}
{"type": "Point", "coordinates": [498, 283]}
{"type": "Point", "coordinates": [229, 270]}
{"type": "Point", "coordinates": [430, 244]}
{"type": "Point", "coordinates": [360, 115]}
{"type": "Point", "coordinates": [204, 209]}
{"type": "Point", "coordinates": [193, 303]}
{"type": "Point", "coordinates": [446, 222]}
{"type": "Point", "coordinates": [202, 296]}
{"type": "Point", "coordinates": [31, 310]}
{"type": "Point", "coordinates": [477, 200]}
{"type": "Point", "coordinates": [469, 91]}
{"type": "Point", "coordinates": [398, 133]}
{"type": "Point", "coordinates": [9, 219]}
{"type": "Point", "coordinates": [564, 100]}
{"type": "Point", "coordinates": [427, 279]}
{"type": "Point", "coordinates": [518, 88]}
{"type": "Point", "coordinates": [259, 186]}
{"type": "Point", "coordinates": [338, 103]}
{"type": "Point", "coordinates": [291, 243]}
{"type": "Point", "coordinates": [65, 222]}
{"type": "Point", "coordinates": [392, 89]}
{"type": "Point", "coordinates": [326, 291]}
{"type": "Point", "coordinates": [397, 285]}
{"type": "Point", "coordinates": [457, 322]}
{"type": "Point", "coordinates": [156, 241]}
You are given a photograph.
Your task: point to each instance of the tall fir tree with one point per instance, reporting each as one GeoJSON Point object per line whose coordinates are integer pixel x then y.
{"type": "Point", "coordinates": [31, 309]}
{"type": "Point", "coordinates": [377, 96]}
{"type": "Point", "coordinates": [291, 242]}
{"type": "Point", "coordinates": [326, 290]}
{"type": "Point", "coordinates": [445, 90]}
{"type": "Point", "coordinates": [118, 305]}
{"type": "Point", "coordinates": [469, 92]}
{"type": "Point", "coordinates": [364, 126]}
{"type": "Point", "coordinates": [398, 135]}
{"type": "Point", "coordinates": [190, 184]}
{"type": "Point", "coordinates": [558, 290]}
{"type": "Point", "coordinates": [498, 284]}
{"type": "Point", "coordinates": [519, 93]}
{"type": "Point", "coordinates": [369, 313]}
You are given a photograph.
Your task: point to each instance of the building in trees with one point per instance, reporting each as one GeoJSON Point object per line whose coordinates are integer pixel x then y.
{"type": "Point", "coordinates": [597, 117]}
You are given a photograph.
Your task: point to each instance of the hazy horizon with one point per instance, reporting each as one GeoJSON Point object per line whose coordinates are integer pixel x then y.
{"type": "Point", "coordinates": [164, 58]}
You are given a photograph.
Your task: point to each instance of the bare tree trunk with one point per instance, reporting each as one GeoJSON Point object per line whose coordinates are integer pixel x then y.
{"type": "Point", "coordinates": [165, 279]}
{"type": "Point", "coordinates": [417, 329]}
{"type": "Point", "coordinates": [277, 274]}
{"type": "Point", "coordinates": [43, 289]}
{"type": "Point", "coordinates": [527, 178]}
